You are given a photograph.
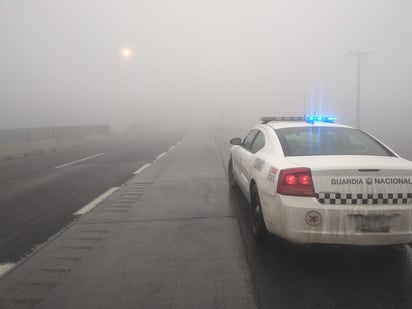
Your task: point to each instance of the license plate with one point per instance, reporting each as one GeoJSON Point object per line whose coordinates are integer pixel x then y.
{"type": "Point", "coordinates": [374, 223]}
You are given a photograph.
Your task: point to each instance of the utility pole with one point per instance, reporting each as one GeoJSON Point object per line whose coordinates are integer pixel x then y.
{"type": "Point", "coordinates": [358, 54]}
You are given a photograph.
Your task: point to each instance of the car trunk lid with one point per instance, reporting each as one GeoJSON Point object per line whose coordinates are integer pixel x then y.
{"type": "Point", "coordinates": [359, 179]}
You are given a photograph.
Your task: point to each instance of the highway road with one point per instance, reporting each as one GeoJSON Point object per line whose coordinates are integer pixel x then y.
{"type": "Point", "coordinates": [40, 195]}
{"type": "Point", "coordinates": [175, 236]}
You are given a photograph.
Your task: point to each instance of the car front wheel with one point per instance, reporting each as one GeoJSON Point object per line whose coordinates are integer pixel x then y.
{"type": "Point", "coordinates": [231, 175]}
{"type": "Point", "coordinates": [258, 223]}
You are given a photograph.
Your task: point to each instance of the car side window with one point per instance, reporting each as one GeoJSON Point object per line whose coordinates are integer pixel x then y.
{"type": "Point", "coordinates": [258, 143]}
{"type": "Point", "coordinates": [248, 140]}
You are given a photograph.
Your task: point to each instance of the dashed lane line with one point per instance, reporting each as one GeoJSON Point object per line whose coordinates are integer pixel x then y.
{"type": "Point", "coordinates": [142, 168]}
{"type": "Point", "coordinates": [5, 267]}
{"type": "Point", "coordinates": [109, 192]}
{"type": "Point", "coordinates": [159, 156]}
{"type": "Point", "coordinates": [81, 160]}
{"type": "Point", "coordinates": [96, 202]}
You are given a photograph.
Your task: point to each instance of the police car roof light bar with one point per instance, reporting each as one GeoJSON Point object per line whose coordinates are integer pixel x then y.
{"type": "Point", "coordinates": [312, 119]}
{"type": "Point", "coordinates": [282, 118]}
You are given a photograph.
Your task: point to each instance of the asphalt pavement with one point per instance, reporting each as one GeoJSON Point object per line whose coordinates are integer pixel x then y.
{"type": "Point", "coordinates": [168, 238]}
{"type": "Point", "coordinates": [40, 195]}
{"type": "Point", "coordinates": [174, 236]}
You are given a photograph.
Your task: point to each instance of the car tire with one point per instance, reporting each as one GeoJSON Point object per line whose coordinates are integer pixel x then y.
{"type": "Point", "coordinates": [258, 223]}
{"type": "Point", "coordinates": [231, 176]}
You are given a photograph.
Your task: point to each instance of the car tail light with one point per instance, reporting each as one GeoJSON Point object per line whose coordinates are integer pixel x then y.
{"type": "Point", "coordinates": [296, 181]}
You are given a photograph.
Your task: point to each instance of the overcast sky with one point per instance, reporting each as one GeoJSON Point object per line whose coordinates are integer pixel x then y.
{"type": "Point", "coordinates": [229, 61]}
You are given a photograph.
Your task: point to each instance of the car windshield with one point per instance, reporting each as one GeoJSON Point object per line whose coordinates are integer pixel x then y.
{"type": "Point", "coordinates": [314, 141]}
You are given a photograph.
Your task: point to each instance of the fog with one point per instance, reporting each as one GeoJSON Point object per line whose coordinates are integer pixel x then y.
{"type": "Point", "coordinates": [210, 62]}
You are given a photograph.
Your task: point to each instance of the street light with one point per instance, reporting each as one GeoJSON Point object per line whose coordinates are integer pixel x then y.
{"type": "Point", "coordinates": [126, 52]}
{"type": "Point", "coordinates": [358, 54]}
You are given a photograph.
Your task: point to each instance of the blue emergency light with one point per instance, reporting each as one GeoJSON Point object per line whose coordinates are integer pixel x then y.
{"type": "Point", "coordinates": [313, 118]}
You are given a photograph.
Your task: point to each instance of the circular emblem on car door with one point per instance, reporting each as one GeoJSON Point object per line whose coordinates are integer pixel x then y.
{"type": "Point", "coordinates": [313, 218]}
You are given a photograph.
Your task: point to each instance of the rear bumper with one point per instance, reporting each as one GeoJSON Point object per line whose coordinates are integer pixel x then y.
{"type": "Point", "coordinates": [305, 221]}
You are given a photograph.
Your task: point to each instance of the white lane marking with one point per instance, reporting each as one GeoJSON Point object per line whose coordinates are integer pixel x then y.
{"type": "Point", "coordinates": [5, 268]}
{"type": "Point", "coordinates": [81, 160]}
{"type": "Point", "coordinates": [159, 156]}
{"type": "Point", "coordinates": [142, 168]}
{"type": "Point", "coordinates": [171, 148]}
{"type": "Point", "coordinates": [96, 201]}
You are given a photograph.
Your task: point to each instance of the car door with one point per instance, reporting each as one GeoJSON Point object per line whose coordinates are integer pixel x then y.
{"type": "Point", "coordinates": [241, 159]}
{"type": "Point", "coordinates": [253, 163]}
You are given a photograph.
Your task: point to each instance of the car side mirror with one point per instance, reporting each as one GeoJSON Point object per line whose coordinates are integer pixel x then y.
{"type": "Point", "coordinates": [236, 141]}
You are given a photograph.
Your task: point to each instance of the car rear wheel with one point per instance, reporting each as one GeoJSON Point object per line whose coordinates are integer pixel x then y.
{"type": "Point", "coordinates": [258, 223]}
{"type": "Point", "coordinates": [231, 175]}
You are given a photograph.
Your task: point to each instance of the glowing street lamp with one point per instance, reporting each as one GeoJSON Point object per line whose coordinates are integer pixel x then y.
{"type": "Point", "coordinates": [126, 52]}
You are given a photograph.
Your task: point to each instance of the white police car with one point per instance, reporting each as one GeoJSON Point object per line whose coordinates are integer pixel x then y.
{"type": "Point", "coordinates": [311, 181]}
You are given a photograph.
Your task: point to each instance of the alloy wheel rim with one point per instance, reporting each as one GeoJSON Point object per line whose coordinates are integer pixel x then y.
{"type": "Point", "coordinates": [257, 211]}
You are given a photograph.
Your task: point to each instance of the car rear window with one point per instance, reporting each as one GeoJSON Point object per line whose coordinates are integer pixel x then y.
{"type": "Point", "coordinates": [326, 141]}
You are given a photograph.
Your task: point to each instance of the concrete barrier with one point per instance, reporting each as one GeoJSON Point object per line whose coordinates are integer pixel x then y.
{"type": "Point", "coordinates": [23, 142]}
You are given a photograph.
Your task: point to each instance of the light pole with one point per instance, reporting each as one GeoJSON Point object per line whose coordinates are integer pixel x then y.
{"type": "Point", "coordinates": [358, 54]}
